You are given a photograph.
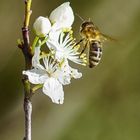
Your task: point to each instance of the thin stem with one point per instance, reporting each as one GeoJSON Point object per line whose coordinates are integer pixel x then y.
{"type": "Point", "coordinates": [34, 44]}
{"type": "Point", "coordinates": [27, 13]}
{"type": "Point", "coordinates": [44, 41]}
{"type": "Point", "coordinates": [26, 49]}
{"type": "Point", "coordinates": [27, 108]}
{"type": "Point", "coordinates": [37, 87]}
{"type": "Point", "coordinates": [28, 114]}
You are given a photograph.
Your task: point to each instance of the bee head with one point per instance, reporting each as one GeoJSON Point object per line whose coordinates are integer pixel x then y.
{"type": "Point", "coordinates": [88, 25]}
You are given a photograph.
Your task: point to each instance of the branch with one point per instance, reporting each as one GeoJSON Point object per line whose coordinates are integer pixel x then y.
{"type": "Point", "coordinates": [26, 49]}
{"type": "Point", "coordinates": [28, 113]}
{"type": "Point", "coordinates": [27, 12]}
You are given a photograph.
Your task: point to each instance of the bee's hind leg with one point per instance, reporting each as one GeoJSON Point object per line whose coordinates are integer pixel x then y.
{"type": "Point", "coordinates": [84, 48]}
{"type": "Point", "coordinates": [79, 42]}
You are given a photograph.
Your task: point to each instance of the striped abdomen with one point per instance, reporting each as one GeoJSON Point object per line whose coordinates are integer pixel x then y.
{"type": "Point", "coordinates": [95, 53]}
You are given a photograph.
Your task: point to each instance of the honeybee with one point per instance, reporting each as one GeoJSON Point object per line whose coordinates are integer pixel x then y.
{"type": "Point", "coordinates": [93, 39]}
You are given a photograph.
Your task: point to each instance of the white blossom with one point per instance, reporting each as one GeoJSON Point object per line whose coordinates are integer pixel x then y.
{"type": "Point", "coordinates": [71, 72]}
{"type": "Point", "coordinates": [42, 26]}
{"type": "Point", "coordinates": [47, 74]}
{"type": "Point", "coordinates": [64, 47]}
{"type": "Point", "coordinates": [62, 16]}
{"type": "Point", "coordinates": [52, 70]}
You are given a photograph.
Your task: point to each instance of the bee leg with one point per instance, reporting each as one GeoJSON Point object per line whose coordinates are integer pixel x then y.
{"type": "Point", "coordinates": [79, 42]}
{"type": "Point", "coordinates": [84, 48]}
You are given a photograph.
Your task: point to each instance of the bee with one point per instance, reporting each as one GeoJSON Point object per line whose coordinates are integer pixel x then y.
{"type": "Point", "coordinates": [93, 39]}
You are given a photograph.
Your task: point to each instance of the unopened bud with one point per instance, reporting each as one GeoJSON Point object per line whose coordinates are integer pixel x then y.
{"type": "Point", "coordinates": [42, 26]}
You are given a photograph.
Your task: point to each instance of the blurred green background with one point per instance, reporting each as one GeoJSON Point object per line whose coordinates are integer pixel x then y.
{"type": "Point", "coordinates": [104, 104]}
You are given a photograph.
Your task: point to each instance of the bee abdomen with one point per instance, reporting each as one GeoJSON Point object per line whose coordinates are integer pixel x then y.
{"type": "Point", "coordinates": [95, 54]}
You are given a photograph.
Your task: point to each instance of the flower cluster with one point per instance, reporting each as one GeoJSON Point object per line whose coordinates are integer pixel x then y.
{"type": "Point", "coordinates": [60, 18]}
{"type": "Point", "coordinates": [50, 62]}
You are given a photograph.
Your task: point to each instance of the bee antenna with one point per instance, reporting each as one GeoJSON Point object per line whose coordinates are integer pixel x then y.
{"type": "Point", "coordinates": [80, 17]}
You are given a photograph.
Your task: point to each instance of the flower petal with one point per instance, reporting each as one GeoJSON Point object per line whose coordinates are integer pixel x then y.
{"type": "Point", "coordinates": [54, 90]}
{"type": "Point", "coordinates": [59, 55]}
{"type": "Point", "coordinates": [64, 77]}
{"type": "Point", "coordinates": [36, 76]}
{"type": "Point", "coordinates": [42, 26]}
{"type": "Point", "coordinates": [52, 45]}
{"type": "Point", "coordinates": [52, 41]}
{"type": "Point", "coordinates": [64, 73]}
{"type": "Point", "coordinates": [62, 16]}
{"type": "Point", "coordinates": [36, 58]}
{"type": "Point", "coordinates": [75, 74]}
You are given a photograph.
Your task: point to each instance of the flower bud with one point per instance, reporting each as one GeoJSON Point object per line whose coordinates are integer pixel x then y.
{"type": "Point", "coordinates": [62, 16]}
{"type": "Point", "coordinates": [42, 26]}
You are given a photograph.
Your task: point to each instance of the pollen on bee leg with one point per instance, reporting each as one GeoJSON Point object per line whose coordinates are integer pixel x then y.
{"type": "Point", "coordinates": [84, 62]}
{"type": "Point", "coordinates": [83, 55]}
{"type": "Point", "coordinates": [76, 47]}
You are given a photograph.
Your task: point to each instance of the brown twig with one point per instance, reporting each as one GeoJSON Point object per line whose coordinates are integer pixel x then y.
{"type": "Point", "coordinates": [25, 47]}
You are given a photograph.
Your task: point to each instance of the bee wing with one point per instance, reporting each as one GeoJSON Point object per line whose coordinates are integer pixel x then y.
{"type": "Point", "coordinates": [106, 37]}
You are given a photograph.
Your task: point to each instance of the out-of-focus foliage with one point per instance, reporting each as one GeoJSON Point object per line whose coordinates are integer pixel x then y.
{"type": "Point", "coordinates": [104, 104]}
